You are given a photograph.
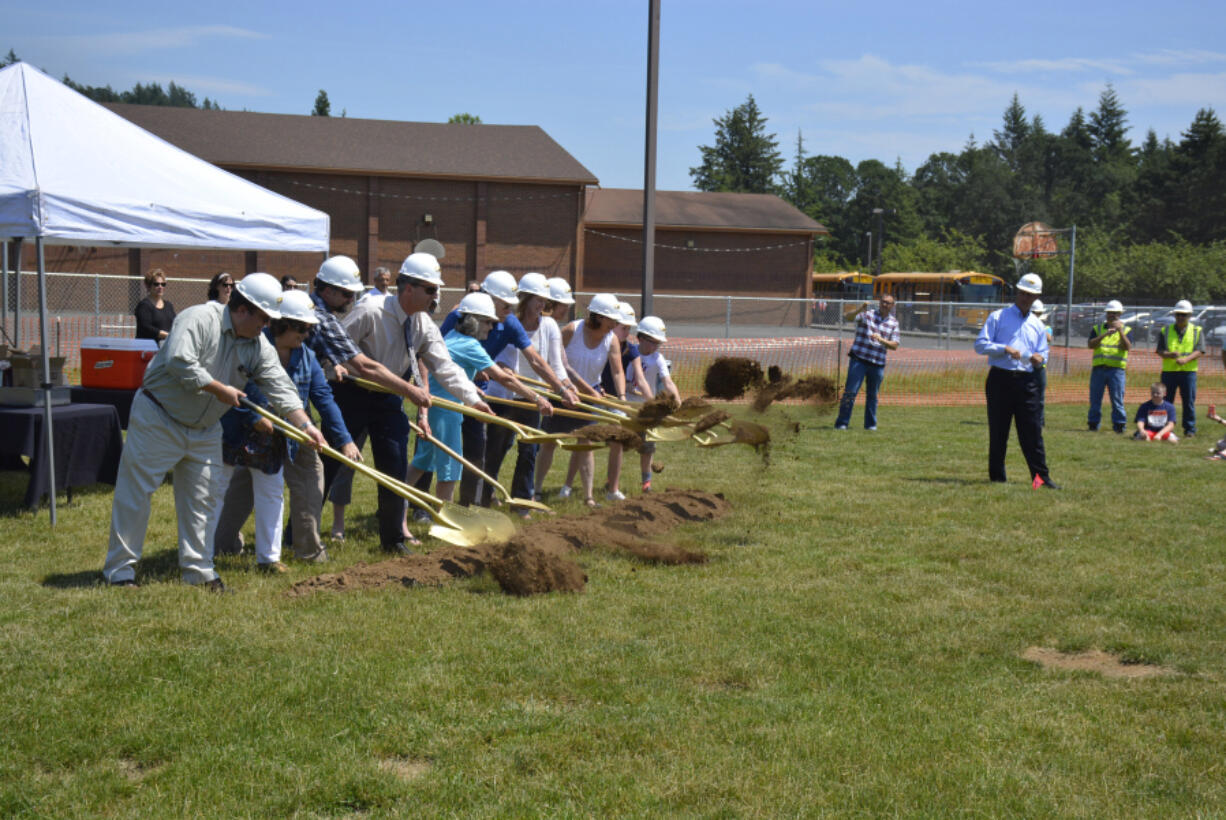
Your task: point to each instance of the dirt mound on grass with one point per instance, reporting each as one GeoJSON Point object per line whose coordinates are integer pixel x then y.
{"type": "Point", "coordinates": [540, 557]}
{"type": "Point", "coordinates": [729, 377]}
{"type": "Point", "coordinates": [1093, 660]}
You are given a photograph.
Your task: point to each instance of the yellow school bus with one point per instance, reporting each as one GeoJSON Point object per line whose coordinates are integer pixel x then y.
{"type": "Point", "coordinates": [853, 287]}
{"type": "Point", "coordinates": [982, 290]}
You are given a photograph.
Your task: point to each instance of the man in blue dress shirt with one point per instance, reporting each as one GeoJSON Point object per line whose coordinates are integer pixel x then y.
{"type": "Point", "coordinates": [1015, 342]}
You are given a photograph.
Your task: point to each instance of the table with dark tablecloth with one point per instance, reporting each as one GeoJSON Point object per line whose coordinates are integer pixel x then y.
{"type": "Point", "coordinates": [88, 442]}
{"type": "Point", "coordinates": [121, 400]}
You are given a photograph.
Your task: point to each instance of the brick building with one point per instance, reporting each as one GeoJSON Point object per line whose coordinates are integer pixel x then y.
{"type": "Point", "coordinates": [754, 245]}
{"type": "Point", "coordinates": [495, 196]}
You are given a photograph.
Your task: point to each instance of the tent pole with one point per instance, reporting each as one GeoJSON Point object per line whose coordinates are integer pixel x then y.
{"type": "Point", "coordinates": [17, 299]}
{"type": "Point", "coordinates": [46, 385]}
{"type": "Point", "coordinates": [4, 288]}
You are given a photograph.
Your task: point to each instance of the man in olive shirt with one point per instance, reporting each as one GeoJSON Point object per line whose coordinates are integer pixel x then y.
{"type": "Point", "coordinates": [175, 426]}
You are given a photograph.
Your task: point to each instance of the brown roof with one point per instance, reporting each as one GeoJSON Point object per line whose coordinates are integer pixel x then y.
{"type": "Point", "coordinates": [699, 209]}
{"type": "Point", "coordinates": [244, 139]}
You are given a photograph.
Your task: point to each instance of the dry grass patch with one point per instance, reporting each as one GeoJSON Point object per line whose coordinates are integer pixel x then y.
{"type": "Point", "coordinates": [1093, 660]}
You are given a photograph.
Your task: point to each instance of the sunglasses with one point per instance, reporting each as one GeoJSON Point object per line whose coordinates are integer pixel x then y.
{"type": "Point", "coordinates": [297, 327]}
{"type": "Point", "coordinates": [431, 290]}
{"type": "Point", "coordinates": [225, 284]}
{"type": "Point", "coordinates": [159, 284]}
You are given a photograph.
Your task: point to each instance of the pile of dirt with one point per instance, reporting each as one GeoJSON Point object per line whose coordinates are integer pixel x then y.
{"type": "Point", "coordinates": [781, 386]}
{"type": "Point", "coordinates": [540, 557]}
{"type": "Point", "coordinates": [729, 377]}
{"type": "Point", "coordinates": [612, 433]}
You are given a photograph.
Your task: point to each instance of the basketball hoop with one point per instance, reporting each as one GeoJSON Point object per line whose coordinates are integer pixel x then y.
{"type": "Point", "coordinates": [1035, 240]}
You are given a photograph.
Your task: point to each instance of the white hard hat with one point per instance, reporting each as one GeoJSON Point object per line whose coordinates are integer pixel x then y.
{"type": "Point", "coordinates": [627, 312]}
{"type": "Point", "coordinates": [298, 306]}
{"type": "Point", "coordinates": [653, 326]}
{"type": "Point", "coordinates": [263, 291]}
{"type": "Point", "coordinates": [1114, 306]}
{"type": "Point", "coordinates": [535, 284]}
{"type": "Point", "coordinates": [605, 304]}
{"type": "Point", "coordinates": [559, 291]}
{"type": "Point", "coordinates": [1030, 283]}
{"type": "Point", "coordinates": [478, 304]}
{"type": "Point", "coordinates": [501, 285]}
{"type": "Point", "coordinates": [1038, 308]}
{"type": "Point", "coordinates": [423, 267]}
{"type": "Point", "coordinates": [341, 272]}
{"type": "Point", "coordinates": [1182, 306]}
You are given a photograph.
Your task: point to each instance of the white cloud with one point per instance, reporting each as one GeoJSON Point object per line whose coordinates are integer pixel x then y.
{"type": "Point", "coordinates": [1196, 90]}
{"type": "Point", "coordinates": [1180, 57]}
{"type": "Point", "coordinates": [132, 42]}
{"type": "Point", "coordinates": [198, 83]}
{"type": "Point", "coordinates": [1064, 64]}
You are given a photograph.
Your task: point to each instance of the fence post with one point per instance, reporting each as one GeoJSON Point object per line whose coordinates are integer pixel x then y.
{"type": "Point", "coordinates": [98, 305]}
{"type": "Point", "coordinates": [727, 317]}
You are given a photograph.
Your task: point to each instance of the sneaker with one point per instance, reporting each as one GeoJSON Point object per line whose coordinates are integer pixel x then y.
{"type": "Point", "coordinates": [320, 557]}
{"type": "Point", "coordinates": [397, 548]}
{"type": "Point", "coordinates": [1093, 428]}
{"type": "Point", "coordinates": [127, 583]}
{"type": "Point", "coordinates": [647, 486]}
{"type": "Point", "coordinates": [216, 585]}
{"type": "Point", "coordinates": [1119, 428]}
{"type": "Point", "coordinates": [420, 516]}
{"type": "Point", "coordinates": [1048, 484]}
{"type": "Point", "coordinates": [871, 429]}
{"type": "Point", "coordinates": [840, 426]}
{"type": "Point", "coordinates": [1189, 433]}
{"type": "Point", "coordinates": [564, 492]}
{"type": "Point", "coordinates": [1172, 438]}
{"type": "Point", "coordinates": [1139, 436]}
{"type": "Point", "coordinates": [615, 495]}
{"type": "Point", "coordinates": [338, 537]}
{"type": "Point", "coordinates": [273, 567]}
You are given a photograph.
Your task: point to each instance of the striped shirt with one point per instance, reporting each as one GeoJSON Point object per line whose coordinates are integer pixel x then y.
{"type": "Point", "coordinates": [868, 323]}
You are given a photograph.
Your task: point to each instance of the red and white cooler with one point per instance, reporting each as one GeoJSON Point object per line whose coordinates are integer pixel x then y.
{"type": "Point", "coordinates": [115, 364]}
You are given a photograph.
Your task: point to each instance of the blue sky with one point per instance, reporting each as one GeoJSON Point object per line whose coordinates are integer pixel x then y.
{"type": "Point", "coordinates": [887, 80]}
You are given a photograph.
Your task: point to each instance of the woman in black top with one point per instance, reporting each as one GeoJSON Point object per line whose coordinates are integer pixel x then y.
{"type": "Point", "coordinates": [221, 287]}
{"type": "Point", "coordinates": [154, 313]}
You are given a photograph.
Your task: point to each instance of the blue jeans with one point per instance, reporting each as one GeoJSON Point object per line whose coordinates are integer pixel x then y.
{"type": "Point", "coordinates": [870, 375]}
{"type": "Point", "coordinates": [1112, 378]}
{"type": "Point", "coordinates": [1185, 382]}
{"type": "Point", "coordinates": [498, 444]}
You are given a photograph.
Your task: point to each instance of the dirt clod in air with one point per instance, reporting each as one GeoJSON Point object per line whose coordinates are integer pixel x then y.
{"type": "Point", "coordinates": [611, 433]}
{"type": "Point", "coordinates": [693, 408]}
{"type": "Point", "coordinates": [821, 387]}
{"type": "Point", "coordinates": [774, 373]}
{"type": "Point", "coordinates": [1093, 660]}
{"type": "Point", "coordinates": [541, 557]}
{"type": "Point", "coordinates": [729, 377]}
{"type": "Point", "coordinates": [710, 420]}
{"type": "Point", "coordinates": [657, 467]}
{"type": "Point", "coordinates": [654, 410]}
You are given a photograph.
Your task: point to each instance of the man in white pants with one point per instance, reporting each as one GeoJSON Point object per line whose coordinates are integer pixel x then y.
{"type": "Point", "coordinates": [174, 424]}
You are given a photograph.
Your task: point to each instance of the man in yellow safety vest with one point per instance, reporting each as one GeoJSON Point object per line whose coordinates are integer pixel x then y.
{"type": "Point", "coordinates": [1180, 346]}
{"type": "Point", "coordinates": [1110, 343]}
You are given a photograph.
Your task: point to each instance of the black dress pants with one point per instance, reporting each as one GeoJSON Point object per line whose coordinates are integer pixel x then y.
{"type": "Point", "coordinates": [1014, 398]}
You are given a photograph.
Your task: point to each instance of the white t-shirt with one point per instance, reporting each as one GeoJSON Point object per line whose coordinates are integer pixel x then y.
{"type": "Point", "coordinates": [655, 368]}
{"type": "Point", "coordinates": [546, 340]}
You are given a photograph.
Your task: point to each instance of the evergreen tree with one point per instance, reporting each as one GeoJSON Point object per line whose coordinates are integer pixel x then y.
{"type": "Point", "coordinates": [465, 119]}
{"type": "Point", "coordinates": [744, 159]}
{"type": "Point", "coordinates": [323, 108]}
{"type": "Point", "coordinates": [10, 59]}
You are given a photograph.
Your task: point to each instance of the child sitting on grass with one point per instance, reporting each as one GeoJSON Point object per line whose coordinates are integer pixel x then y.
{"type": "Point", "coordinates": [1156, 418]}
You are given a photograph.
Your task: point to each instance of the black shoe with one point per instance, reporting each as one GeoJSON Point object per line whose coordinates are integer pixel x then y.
{"type": "Point", "coordinates": [1093, 428]}
{"type": "Point", "coordinates": [1119, 428]}
{"type": "Point", "coordinates": [397, 548]}
{"type": "Point", "coordinates": [1139, 436]}
{"type": "Point", "coordinates": [420, 516]}
{"type": "Point", "coordinates": [1189, 433]}
{"type": "Point", "coordinates": [216, 585]}
{"type": "Point", "coordinates": [1048, 484]}
{"type": "Point", "coordinates": [127, 582]}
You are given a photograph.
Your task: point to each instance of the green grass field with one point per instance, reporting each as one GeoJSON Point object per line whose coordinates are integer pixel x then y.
{"type": "Point", "coordinates": [851, 648]}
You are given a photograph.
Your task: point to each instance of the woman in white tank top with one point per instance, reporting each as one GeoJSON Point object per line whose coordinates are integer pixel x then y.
{"type": "Point", "coordinates": [589, 346]}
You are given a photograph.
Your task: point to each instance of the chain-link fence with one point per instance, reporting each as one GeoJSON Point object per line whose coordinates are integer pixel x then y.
{"type": "Point", "coordinates": [935, 364]}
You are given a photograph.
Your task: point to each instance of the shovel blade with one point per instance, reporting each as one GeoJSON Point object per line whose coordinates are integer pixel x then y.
{"type": "Point", "coordinates": [667, 434]}
{"type": "Point", "coordinates": [529, 504]}
{"type": "Point", "coordinates": [477, 524]}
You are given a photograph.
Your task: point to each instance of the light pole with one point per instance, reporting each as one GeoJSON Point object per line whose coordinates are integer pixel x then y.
{"type": "Point", "coordinates": [879, 215]}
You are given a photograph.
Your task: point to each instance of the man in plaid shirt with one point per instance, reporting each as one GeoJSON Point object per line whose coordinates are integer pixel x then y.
{"type": "Point", "coordinates": [876, 332]}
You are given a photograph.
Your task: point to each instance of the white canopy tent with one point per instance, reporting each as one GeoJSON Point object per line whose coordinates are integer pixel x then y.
{"type": "Point", "coordinates": [74, 173]}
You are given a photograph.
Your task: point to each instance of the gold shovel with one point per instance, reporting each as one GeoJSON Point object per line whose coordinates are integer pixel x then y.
{"type": "Point", "coordinates": [461, 526]}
